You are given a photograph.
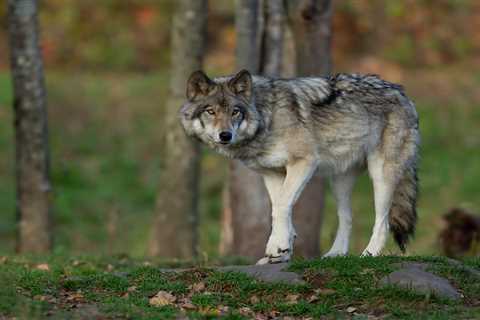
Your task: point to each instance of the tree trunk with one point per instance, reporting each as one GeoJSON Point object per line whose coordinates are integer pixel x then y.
{"type": "Point", "coordinates": [175, 227]}
{"type": "Point", "coordinates": [273, 38]}
{"type": "Point", "coordinates": [310, 22]}
{"type": "Point", "coordinates": [311, 25]}
{"type": "Point", "coordinates": [31, 132]}
{"type": "Point", "coordinates": [246, 219]}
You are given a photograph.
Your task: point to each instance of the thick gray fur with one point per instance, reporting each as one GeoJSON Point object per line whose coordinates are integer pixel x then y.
{"type": "Point", "coordinates": [336, 126]}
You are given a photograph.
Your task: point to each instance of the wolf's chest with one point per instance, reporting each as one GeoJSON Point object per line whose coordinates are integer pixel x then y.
{"type": "Point", "coordinates": [275, 157]}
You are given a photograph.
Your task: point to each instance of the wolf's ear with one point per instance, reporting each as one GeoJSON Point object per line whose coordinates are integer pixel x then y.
{"type": "Point", "coordinates": [241, 84]}
{"type": "Point", "coordinates": [199, 85]}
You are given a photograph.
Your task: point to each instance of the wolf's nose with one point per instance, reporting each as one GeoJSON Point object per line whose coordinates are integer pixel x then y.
{"type": "Point", "coordinates": [225, 136]}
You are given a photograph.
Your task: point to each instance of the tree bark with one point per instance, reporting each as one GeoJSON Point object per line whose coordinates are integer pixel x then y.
{"type": "Point", "coordinates": [246, 221]}
{"type": "Point", "coordinates": [310, 22]}
{"type": "Point", "coordinates": [311, 25]}
{"type": "Point", "coordinates": [174, 231]}
{"type": "Point", "coordinates": [273, 38]}
{"type": "Point", "coordinates": [246, 218]}
{"type": "Point", "coordinates": [31, 129]}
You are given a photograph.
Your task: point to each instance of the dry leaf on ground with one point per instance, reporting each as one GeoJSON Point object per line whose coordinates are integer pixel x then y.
{"type": "Point", "coordinates": [292, 298]}
{"type": "Point", "coordinates": [132, 289]}
{"type": "Point", "coordinates": [351, 309]}
{"type": "Point", "coordinates": [197, 287]}
{"type": "Point", "coordinates": [254, 299]}
{"type": "Point", "coordinates": [42, 266]}
{"type": "Point", "coordinates": [162, 298]}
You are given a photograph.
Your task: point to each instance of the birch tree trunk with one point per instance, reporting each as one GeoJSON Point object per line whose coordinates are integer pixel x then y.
{"type": "Point", "coordinates": [174, 231]}
{"type": "Point", "coordinates": [31, 129]}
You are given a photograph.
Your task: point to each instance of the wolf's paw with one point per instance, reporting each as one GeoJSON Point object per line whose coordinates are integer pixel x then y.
{"type": "Point", "coordinates": [367, 253]}
{"type": "Point", "coordinates": [279, 249]}
{"type": "Point", "coordinates": [334, 253]}
{"type": "Point", "coordinates": [274, 259]}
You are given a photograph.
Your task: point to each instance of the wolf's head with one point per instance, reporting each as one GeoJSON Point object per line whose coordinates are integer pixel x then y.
{"type": "Point", "coordinates": [220, 112]}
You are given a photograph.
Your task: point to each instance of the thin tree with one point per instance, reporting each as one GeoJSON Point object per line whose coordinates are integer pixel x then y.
{"type": "Point", "coordinates": [31, 129]}
{"type": "Point", "coordinates": [246, 218]}
{"type": "Point", "coordinates": [174, 231]}
{"type": "Point", "coordinates": [310, 23]}
{"type": "Point", "coordinates": [261, 28]}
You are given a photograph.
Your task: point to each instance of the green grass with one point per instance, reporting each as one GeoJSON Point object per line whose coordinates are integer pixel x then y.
{"type": "Point", "coordinates": [105, 133]}
{"type": "Point", "coordinates": [121, 288]}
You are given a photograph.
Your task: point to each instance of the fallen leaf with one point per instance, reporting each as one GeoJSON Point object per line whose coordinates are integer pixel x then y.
{"type": "Point", "coordinates": [76, 263]}
{"type": "Point", "coordinates": [42, 266]}
{"type": "Point", "coordinates": [76, 296]}
{"type": "Point", "coordinates": [292, 298]}
{"type": "Point", "coordinates": [274, 313]}
{"type": "Point", "coordinates": [254, 300]}
{"type": "Point", "coordinates": [188, 305]}
{"type": "Point", "coordinates": [40, 297]}
{"type": "Point", "coordinates": [313, 298]}
{"type": "Point", "coordinates": [245, 311]}
{"type": "Point", "coordinates": [132, 289]}
{"type": "Point", "coordinates": [351, 309]}
{"type": "Point", "coordinates": [197, 287]}
{"type": "Point", "coordinates": [3, 260]}
{"type": "Point", "coordinates": [162, 298]}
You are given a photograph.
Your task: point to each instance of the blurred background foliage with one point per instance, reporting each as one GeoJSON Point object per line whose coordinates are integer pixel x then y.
{"type": "Point", "coordinates": [107, 65]}
{"type": "Point", "coordinates": [133, 35]}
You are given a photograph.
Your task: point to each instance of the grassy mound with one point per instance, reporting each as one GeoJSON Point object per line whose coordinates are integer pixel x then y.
{"type": "Point", "coordinates": [99, 288]}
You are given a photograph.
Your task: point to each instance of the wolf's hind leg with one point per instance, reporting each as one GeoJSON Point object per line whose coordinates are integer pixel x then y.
{"type": "Point", "coordinates": [384, 181]}
{"type": "Point", "coordinates": [342, 186]}
{"type": "Point", "coordinates": [280, 243]}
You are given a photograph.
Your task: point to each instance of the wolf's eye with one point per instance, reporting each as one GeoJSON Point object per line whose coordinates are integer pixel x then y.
{"type": "Point", "coordinates": [235, 112]}
{"type": "Point", "coordinates": [210, 111]}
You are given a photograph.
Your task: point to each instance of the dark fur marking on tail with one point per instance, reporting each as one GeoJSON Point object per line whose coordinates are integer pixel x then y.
{"type": "Point", "coordinates": [403, 214]}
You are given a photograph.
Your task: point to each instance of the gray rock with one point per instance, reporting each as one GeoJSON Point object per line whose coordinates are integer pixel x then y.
{"type": "Point", "coordinates": [414, 277]}
{"type": "Point", "coordinates": [461, 266]}
{"type": "Point", "coordinates": [411, 265]}
{"type": "Point", "coordinates": [267, 272]}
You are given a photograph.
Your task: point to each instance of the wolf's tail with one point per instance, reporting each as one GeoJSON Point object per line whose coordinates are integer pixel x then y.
{"type": "Point", "coordinates": [403, 213]}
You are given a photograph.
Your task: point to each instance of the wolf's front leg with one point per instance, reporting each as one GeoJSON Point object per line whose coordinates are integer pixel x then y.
{"type": "Point", "coordinates": [284, 192]}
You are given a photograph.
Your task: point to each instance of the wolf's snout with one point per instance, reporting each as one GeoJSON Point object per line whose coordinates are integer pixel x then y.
{"type": "Point", "coordinates": [225, 136]}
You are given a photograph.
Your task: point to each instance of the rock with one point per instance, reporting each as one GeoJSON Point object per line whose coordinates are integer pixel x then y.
{"type": "Point", "coordinates": [411, 265]}
{"type": "Point", "coordinates": [472, 271]}
{"type": "Point", "coordinates": [414, 277]}
{"type": "Point", "coordinates": [267, 272]}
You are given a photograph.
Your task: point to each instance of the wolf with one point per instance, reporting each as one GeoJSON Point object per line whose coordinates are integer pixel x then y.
{"type": "Point", "coordinates": [289, 129]}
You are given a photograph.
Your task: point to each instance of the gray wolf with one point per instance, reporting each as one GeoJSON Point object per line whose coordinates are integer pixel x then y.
{"type": "Point", "coordinates": [289, 129]}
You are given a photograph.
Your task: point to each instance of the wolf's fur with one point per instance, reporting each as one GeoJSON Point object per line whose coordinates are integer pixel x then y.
{"type": "Point", "coordinates": [288, 129]}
